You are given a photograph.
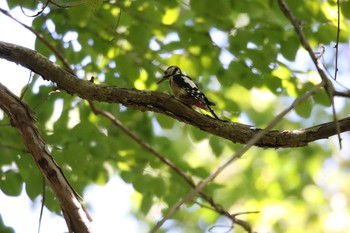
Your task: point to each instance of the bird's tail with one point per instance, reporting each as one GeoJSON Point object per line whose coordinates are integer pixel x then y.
{"type": "Point", "coordinates": [213, 113]}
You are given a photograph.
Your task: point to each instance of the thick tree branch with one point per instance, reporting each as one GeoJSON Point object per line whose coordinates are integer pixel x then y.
{"type": "Point", "coordinates": [23, 119]}
{"type": "Point", "coordinates": [163, 103]}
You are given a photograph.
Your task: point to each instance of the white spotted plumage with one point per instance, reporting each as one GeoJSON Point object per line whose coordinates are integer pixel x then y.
{"type": "Point", "coordinates": [186, 90]}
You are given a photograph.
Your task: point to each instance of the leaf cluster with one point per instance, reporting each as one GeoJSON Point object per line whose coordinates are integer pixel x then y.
{"type": "Point", "coordinates": [247, 59]}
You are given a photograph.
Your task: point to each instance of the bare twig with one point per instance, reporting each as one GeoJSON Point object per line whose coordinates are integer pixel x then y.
{"type": "Point", "coordinates": [336, 46]}
{"type": "Point", "coordinates": [46, 5]}
{"type": "Point", "coordinates": [230, 227]}
{"type": "Point", "coordinates": [297, 27]}
{"type": "Point", "coordinates": [67, 6]}
{"type": "Point", "coordinates": [342, 94]}
{"type": "Point", "coordinates": [42, 204]}
{"type": "Point", "coordinates": [25, 89]}
{"type": "Point", "coordinates": [322, 52]}
{"type": "Point", "coordinates": [335, 77]}
{"type": "Point", "coordinates": [43, 40]}
{"type": "Point", "coordinates": [245, 212]}
{"type": "Point", "coordinates": [336, 122]}
{"type": "Point", "coordinates": [38, 13]}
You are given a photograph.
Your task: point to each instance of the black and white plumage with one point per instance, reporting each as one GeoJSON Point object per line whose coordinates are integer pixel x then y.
{"type": "Point", "coordinates": [186, 90]}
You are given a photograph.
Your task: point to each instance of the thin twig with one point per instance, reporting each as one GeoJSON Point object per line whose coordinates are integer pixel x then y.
{"type": "Point", "coordinates": [342, 94]}
{"type": "Point", "coordinates": [42, 204]}
{"type": "Point", "coordinates": [38, 13]}
{"type": "Point", "coordinates": [118, 20]}
{"type": "Point", "coordinates": [43, 40]}
{"type": "Point", "coordinates": [336, 122]}
{"type": "Point", "coordinates": [236, 156]}
{"type": "Point", "coordinates": [335, 77]}
{"type": "Point", "coordinates": [297, 27]}
{"type": "Point", "coordinates": [336, 46]}
{"type": "Point", "coordinates": [44, 7]}
{"type": "Point", "coordinates": [245, 212]}
{"type": "Point", "coordinates": [67, 6]}
{"type": "Point", "coordinates": [25, 89]}
{"type": "Point", "coordinates": [229, 228]}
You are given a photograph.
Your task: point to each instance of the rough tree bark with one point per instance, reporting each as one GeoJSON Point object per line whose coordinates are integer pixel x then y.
{"type": "Point", "coordinates": [163, 103]}
{"type": "Point", "coordinates": [23, 119]}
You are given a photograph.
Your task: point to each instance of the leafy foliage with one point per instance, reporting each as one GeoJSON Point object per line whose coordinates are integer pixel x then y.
{"type": "Point", "coordinates": [246, 57]}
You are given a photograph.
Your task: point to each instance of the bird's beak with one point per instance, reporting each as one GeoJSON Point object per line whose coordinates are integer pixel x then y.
{"type": "Point", "coordinates": [165, 77]}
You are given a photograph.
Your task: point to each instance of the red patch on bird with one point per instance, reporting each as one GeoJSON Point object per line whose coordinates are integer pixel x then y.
{"type": "Point", "coordinates": [199, 104]}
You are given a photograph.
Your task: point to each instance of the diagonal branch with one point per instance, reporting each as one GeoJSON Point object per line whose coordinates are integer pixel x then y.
{"type": "Point", "coordinates": [164, 104]}
{"type": "Point", "coordinates": [304, 42]}
{"type": "Point", "coordinates": [215, 207]}
{"type": "Point", "coordinates": [41, 38]}
{"type": "Point", "coordinates": [234, 157]}
{"type": "Point", "coordinates": [23, 119]}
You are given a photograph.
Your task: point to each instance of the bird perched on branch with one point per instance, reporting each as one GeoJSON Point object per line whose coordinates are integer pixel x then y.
{"type": "Point", "coordinates": [186, 90]}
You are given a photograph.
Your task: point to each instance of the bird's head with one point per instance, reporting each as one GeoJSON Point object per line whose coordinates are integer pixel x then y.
{"type": "Point", "coordinates": [170, 71]}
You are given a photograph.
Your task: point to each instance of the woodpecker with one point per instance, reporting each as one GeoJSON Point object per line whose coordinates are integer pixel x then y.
{"type": "Point", "coordinates": [186, 90]}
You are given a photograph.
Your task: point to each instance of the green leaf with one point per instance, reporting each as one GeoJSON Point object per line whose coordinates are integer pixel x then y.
{"type": "Point", "coordinates": [322, 98]}
{"type": "Point", "coordinates": [236, 51]}
{"type": "Point", "coordinates": [304, 109]}
{"type": "Point", "coordinates": [5, 229]}
{"type": "Point", "coordinates": [289, 47]}
{"type": "Point", "coordinates": [165, 122]}
{"type": "Point", "coordinates": [146, 203]}
{"type": "Point", "coordinates": [11, 183]}
{"type": "Point", "coordinates": [198, 135]}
